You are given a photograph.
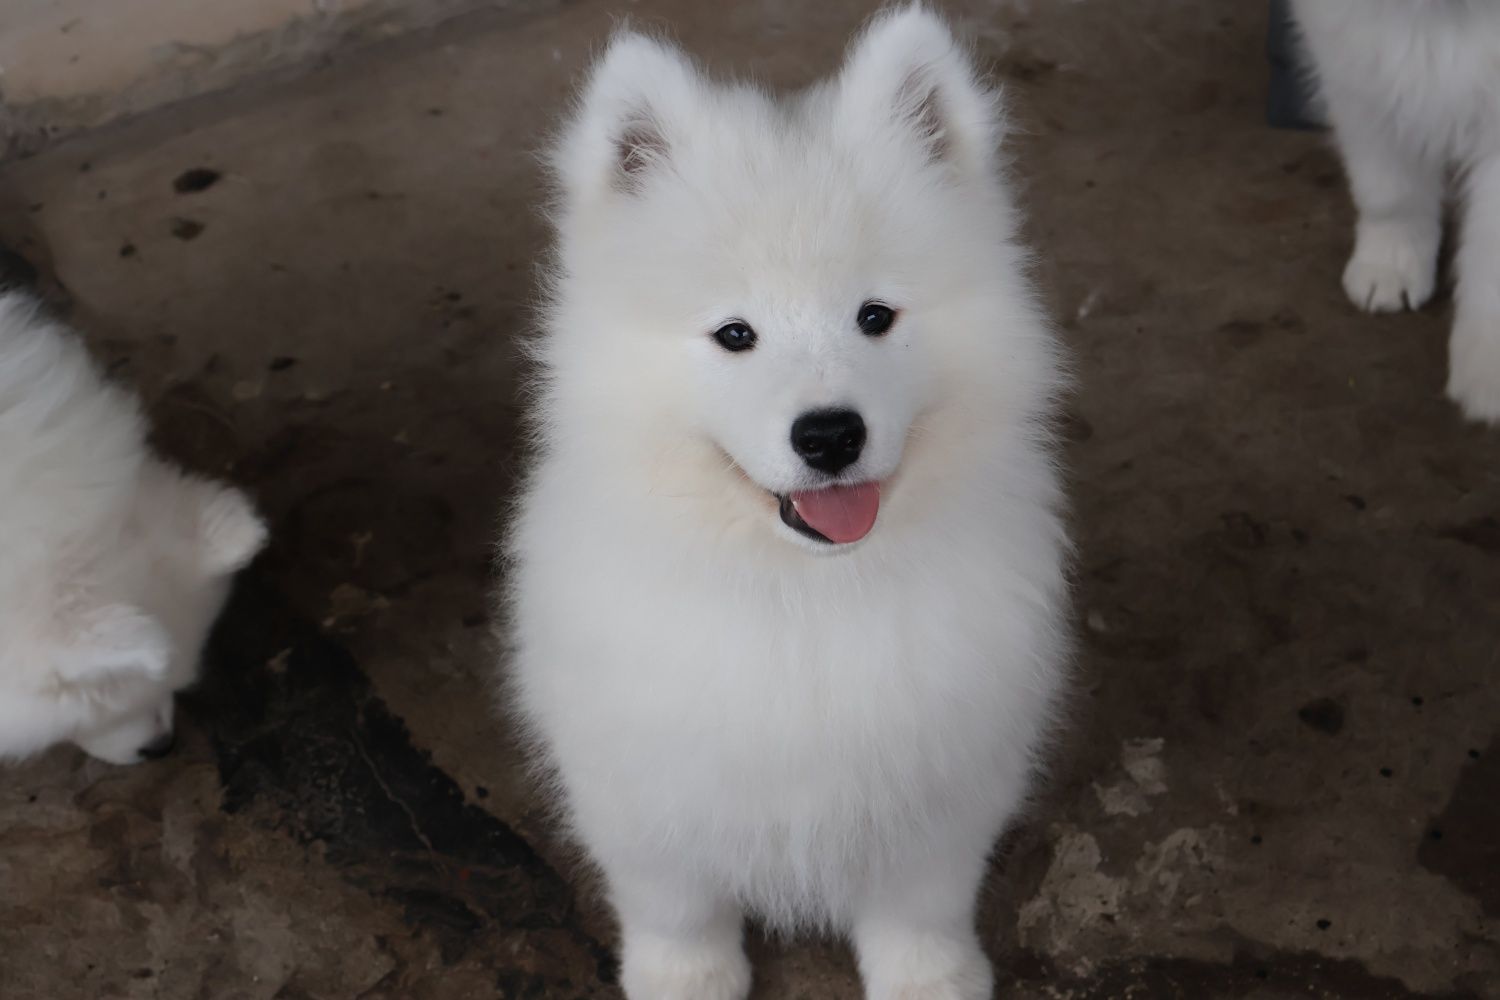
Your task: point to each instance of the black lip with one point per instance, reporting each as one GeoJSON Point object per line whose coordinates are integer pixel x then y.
{"type": "Point", "coordinates": [793, 520]}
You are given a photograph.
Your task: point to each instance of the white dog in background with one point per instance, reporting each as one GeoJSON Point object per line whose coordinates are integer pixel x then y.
{"type": "Point", "coordinates": [1413, 91]}
{"type": "Point", "coordinates": [786, 584]}
{"type": "Point", "coordinates": [113, 565]}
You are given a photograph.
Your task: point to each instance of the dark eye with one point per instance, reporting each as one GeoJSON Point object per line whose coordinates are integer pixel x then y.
{"type": "Point", "coordinates": [735, 336]}
{"type": "Point", "coordinates": [875, 319]}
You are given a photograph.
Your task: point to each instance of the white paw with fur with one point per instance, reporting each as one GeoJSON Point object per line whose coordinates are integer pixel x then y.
{"type": "Point", "coordinates": [676, 970]}
{"type": "Point", "coordinates": [1394, 267]}
{"type": "Point", "coordinates": [1474, 366]}
{"type": "Point", "coordinates": [929, 967]}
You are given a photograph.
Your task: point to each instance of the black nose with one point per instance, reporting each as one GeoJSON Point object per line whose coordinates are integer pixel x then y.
{"type": "Point", "coordinates": [829, 440]}
{"type": "Point", "coordinates": [159, 747]}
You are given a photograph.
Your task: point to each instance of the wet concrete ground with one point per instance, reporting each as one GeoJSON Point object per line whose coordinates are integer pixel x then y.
{"type": "Point", "coordinates": [1283, 778]}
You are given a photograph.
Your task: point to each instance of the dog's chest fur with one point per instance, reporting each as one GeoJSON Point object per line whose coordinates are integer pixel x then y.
{"type": "Point", "coordinates": [782, 729]}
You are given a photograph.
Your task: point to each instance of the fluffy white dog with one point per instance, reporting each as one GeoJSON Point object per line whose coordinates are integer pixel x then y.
{"type": "Point", "coordinates": [787, 579]}
{"type": "Point", "coordinates": [1413, 90]}
{"type": "Point", "coordinates": [113, 565]}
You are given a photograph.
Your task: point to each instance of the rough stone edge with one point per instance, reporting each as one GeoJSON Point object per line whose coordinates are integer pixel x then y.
{"type": "Point", "coordinates": [194, 72]}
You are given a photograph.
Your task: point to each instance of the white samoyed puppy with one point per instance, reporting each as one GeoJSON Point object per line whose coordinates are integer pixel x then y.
{"type": "Point", "coordinates": [113, 565]}
{"type": "Point", "coordinates": [1412, 88]}
{"type": "Point", "coordinates": [786, 582]}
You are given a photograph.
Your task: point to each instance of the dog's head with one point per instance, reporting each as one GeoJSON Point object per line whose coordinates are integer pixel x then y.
{"type": "Point", "coordinates": [781, 296]}
{"type": "Point", "coordinates": [131, 623]}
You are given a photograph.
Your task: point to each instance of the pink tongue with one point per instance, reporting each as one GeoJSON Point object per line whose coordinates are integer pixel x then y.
{"type": "Point", "coordinates": [840, 514]}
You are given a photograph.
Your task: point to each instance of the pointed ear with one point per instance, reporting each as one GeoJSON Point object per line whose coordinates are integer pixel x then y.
{"type": "Point", "coordinates": [112, 642]}
{"type": "Point", "coordinates": [631, 115]}
{"type": "Point", "coordinates": [231, 533]}
{"type": "Point", "coordinates": [906, 77]}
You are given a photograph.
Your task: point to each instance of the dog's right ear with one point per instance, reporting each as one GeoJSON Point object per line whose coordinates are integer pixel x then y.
{"type": "Point", "coordinates": [112, 642]}
{"type": "Point", "coordinates": [908, 80]}
{"type": "Point", "coordinates": [632, 112]}
{"type": "Point", "coordinates": [231, 533]}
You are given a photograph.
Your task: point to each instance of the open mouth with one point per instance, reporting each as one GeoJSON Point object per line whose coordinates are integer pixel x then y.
{"type": "Point", "coordinates": [836, 515]}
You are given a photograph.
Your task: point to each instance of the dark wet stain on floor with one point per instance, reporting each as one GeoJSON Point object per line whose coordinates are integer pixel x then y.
{"type": "Point", "coordinates": [306, 749]}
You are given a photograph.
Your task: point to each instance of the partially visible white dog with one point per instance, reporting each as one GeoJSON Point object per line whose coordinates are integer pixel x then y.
{"type": "Point", "coordinates": [1413, 90]}
{"type": "Point", "coordinates": [113, 565]}
{"type": "Point", "coordinates": [787, 579]}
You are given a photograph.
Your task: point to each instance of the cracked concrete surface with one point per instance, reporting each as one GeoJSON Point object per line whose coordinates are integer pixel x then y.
{"type": "Point", "coordinates": [1283, 775]}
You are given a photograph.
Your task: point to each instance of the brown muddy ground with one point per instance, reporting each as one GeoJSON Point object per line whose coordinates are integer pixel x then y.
{"type": "Point", "coordinates": [1285, 776]}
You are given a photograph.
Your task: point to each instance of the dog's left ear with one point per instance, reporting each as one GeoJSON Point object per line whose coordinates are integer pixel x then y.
{"type": "Point", "coordinates": [908, 79]}
{"type": "Point", "coordinates": [112, 642]}
{"type": "Point", "coordinates": [632, 116]}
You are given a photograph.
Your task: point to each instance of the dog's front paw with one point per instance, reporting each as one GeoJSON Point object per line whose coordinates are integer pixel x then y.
{"type": "Point", "coordinates": [677, 970]}
{"type": "Point", "coordinates": [1394, 267]}
{"type": "Point", "coordinates": [1474, 366]}
{"type": "Point", "coordinates": [928, 968]}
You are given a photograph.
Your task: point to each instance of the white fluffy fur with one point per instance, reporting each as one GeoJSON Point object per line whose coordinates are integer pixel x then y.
{"type": "Point", "coordinates": [1413, 90]}
{"type": "Point", "coordinates": [740, 719]}
{"type": "Point", "coordinates": [112, 564]}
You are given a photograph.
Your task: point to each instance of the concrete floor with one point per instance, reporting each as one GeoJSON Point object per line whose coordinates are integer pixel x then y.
{"type": "Point", "coordinates": [1284, 777]}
